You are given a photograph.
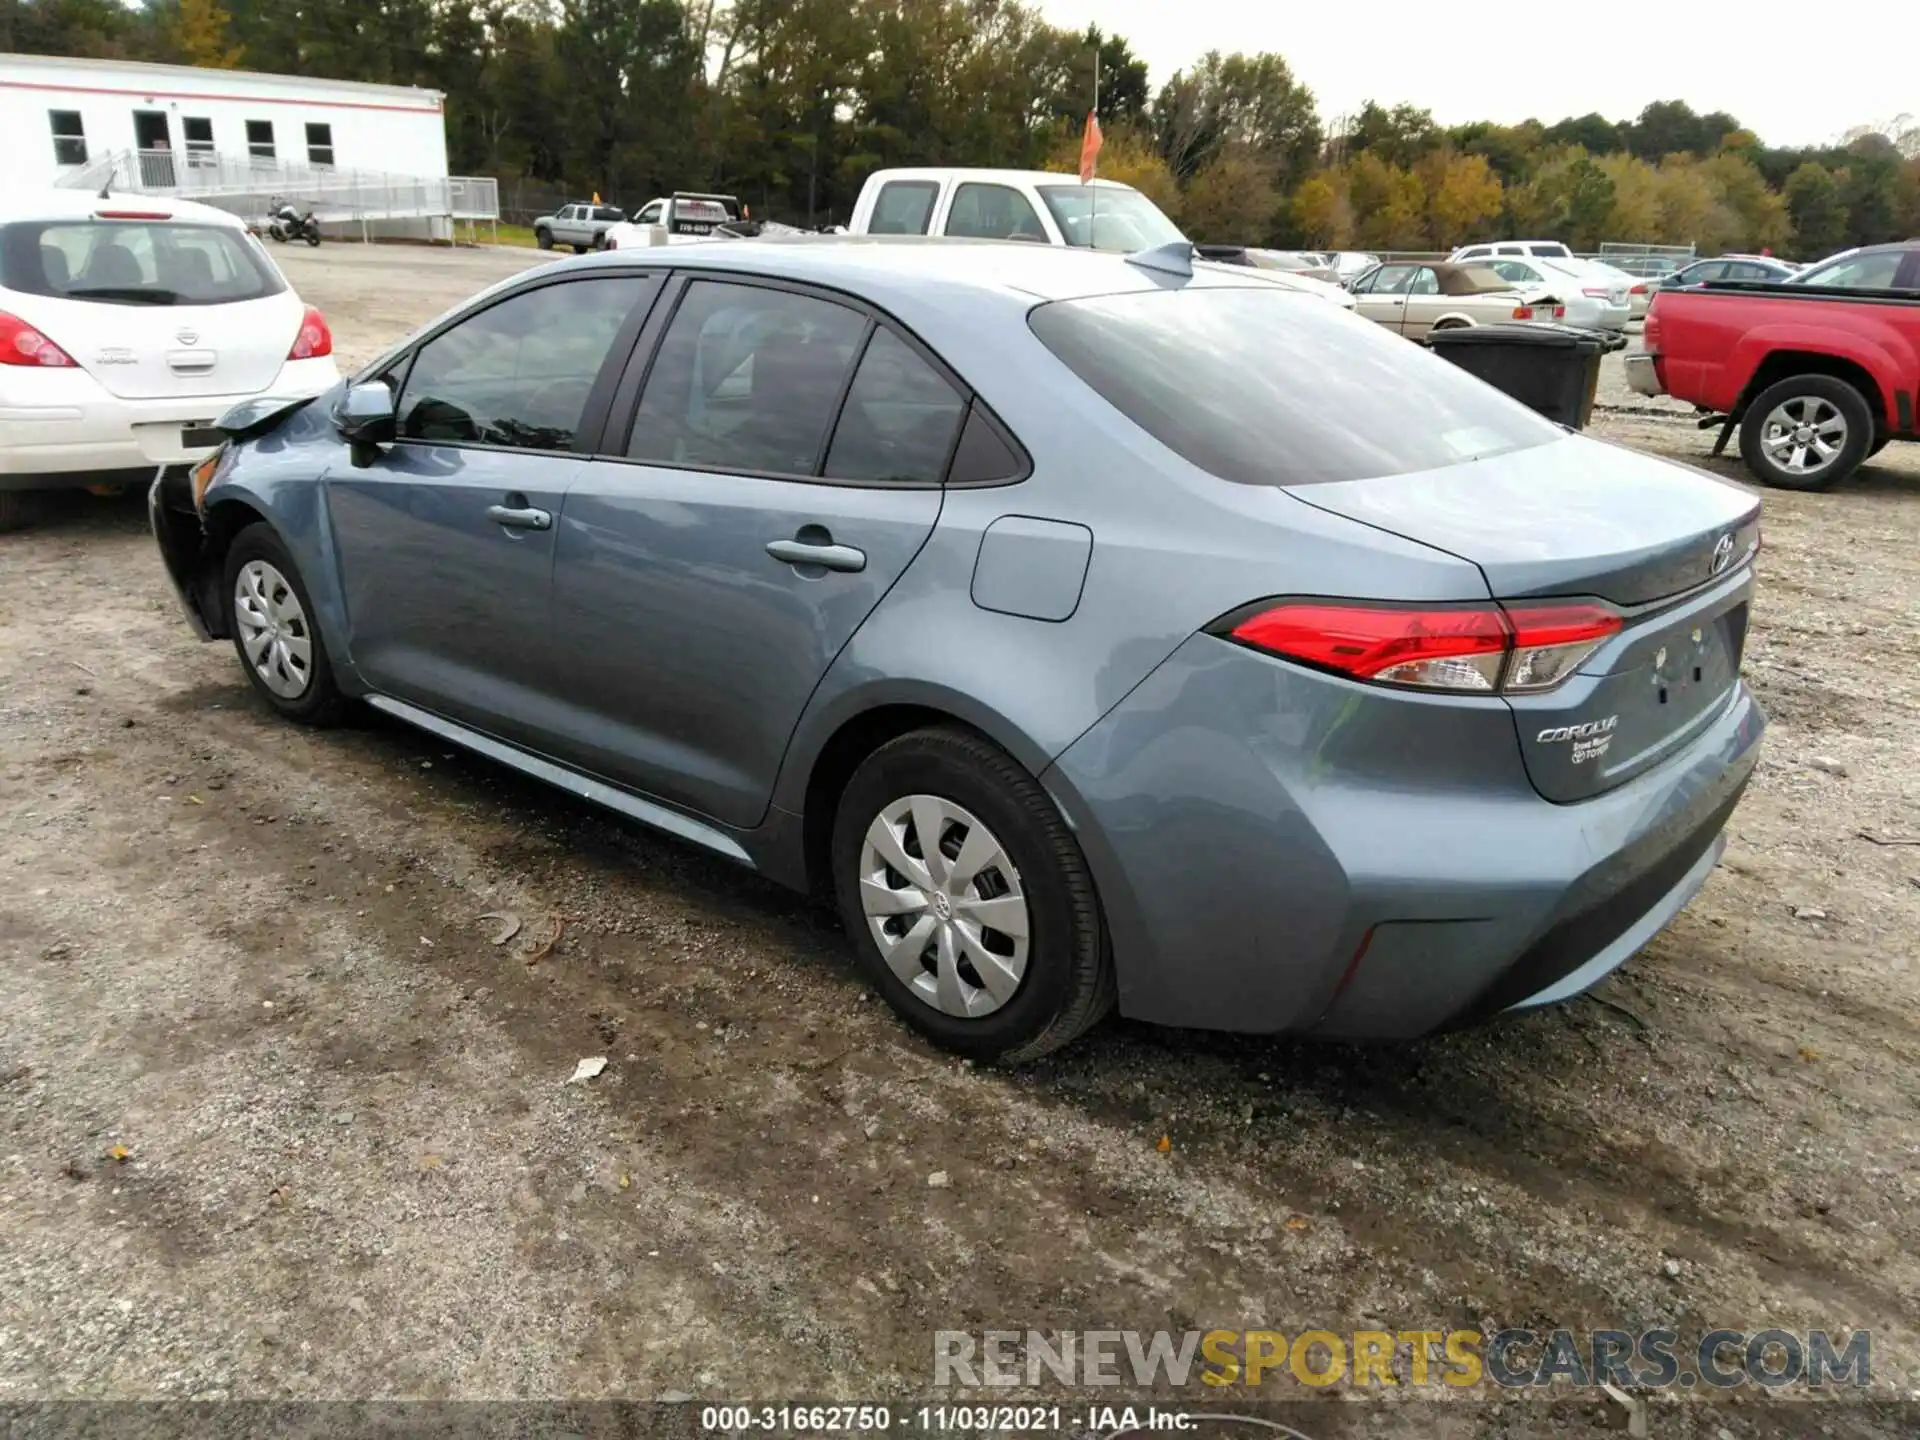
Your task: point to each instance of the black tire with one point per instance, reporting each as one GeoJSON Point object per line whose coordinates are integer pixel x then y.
{"type": "Point", "coordinates": [1068, 985]}
{"type": "Point", "coordinates": [17, 510]}
{"type": "Point", "coordinates": [543, 237]}
{"type": "Point", "coordinates": [582, 249]}
{"type": "Point", "coordinates": [320, 702]}
{"type": "Point", "coordinates": [313, 237]}
{"type": "Point", "coordinates": [599, 241]}
{"type": "Point", "coordinates": [1852, 408]}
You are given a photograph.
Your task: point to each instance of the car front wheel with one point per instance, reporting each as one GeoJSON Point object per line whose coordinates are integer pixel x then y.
{"type": "Point", "coordinates": [1806, 433]}
{"type": "Point", "coordinates": [543, 238]}
{"type": "Point", "coordinates": [967, 898]}
{"type": "Point", "coordinates": [270, 617]}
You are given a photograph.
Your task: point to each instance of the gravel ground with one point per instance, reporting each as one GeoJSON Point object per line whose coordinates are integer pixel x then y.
{"type": "Point", "coordinates": [282, 1120]}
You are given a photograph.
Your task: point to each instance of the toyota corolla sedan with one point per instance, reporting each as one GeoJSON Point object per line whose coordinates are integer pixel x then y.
{"type": "Point", "coordinates": [1093, 630]}
{"type": "Point", "coordinates": [128, 324]}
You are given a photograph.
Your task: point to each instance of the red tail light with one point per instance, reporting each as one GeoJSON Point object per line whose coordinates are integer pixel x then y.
{"type": "Point", "coordinates": [1523, 312]}
{"type": "Point", "coordinates": [21, 344]}
{"type": "Point", "coordinates": [314, 339]}
{"type": "Point", "coordinates": [1471, 648]}
{"type": "Point", "coordinates": [1596, 292]}
{"type": "Point", "coordinates": [132, 214]}
{"type": "Point", "coordinates": [1638, 290]}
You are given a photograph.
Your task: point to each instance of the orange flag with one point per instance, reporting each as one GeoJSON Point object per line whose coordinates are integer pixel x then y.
{"type": "Point", "coordinates": [1090, 145]}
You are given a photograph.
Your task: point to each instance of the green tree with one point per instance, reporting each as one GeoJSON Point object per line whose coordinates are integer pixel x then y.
{"type": "Point", "coordinates": [1398, 136]}
{"type": "Point", "coordinates": [1249, 101]}
{"type": "Point", "coordinates": [1818, 214]}
{"type": "Point", "coordinates": [1232, 200]}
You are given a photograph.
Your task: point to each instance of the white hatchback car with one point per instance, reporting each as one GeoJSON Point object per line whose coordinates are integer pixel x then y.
{"type": "Point", "coordinates": [128, 325]}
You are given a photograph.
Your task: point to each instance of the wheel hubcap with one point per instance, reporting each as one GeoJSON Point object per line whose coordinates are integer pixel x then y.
{"type": "Point", "coordinates": [274, 634]}
{"type": "Point", "coordinates": [1804, 435]}
{"type": "Point", "coordinates": [945, 905]}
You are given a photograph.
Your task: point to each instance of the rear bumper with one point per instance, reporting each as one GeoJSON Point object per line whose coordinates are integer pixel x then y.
{"type": "Point", "coordinates": [1278, 850]}
{"type": "Point", "coordinates": [1642, 376]}
{"type": "Point", "coordinates": [69, 426]}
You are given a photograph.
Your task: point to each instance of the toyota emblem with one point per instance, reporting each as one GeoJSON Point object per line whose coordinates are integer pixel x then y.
{"type": "Point", "coordinates": [187, 337]}
{"type": "Point", "coordinates": [1722, 554]}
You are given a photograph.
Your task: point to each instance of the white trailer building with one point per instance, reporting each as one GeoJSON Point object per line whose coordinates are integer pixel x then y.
{"type": "Point", "coordinates": [370, 157]}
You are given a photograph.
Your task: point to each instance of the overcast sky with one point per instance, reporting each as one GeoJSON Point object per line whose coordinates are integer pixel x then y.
{"type": "Point", "coordinates": [1799, 80]}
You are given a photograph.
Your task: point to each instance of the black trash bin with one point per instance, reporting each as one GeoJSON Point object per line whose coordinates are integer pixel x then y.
{"type": "Point", "coordinates": [1553, 369]}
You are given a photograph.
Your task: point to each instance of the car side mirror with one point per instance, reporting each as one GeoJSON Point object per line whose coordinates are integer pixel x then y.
{"type": "Point", "coordinates": [364, 415]}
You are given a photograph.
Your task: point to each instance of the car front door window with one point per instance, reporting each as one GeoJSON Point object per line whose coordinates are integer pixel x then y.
{"type": "Point", "coordinates": [517, 375]}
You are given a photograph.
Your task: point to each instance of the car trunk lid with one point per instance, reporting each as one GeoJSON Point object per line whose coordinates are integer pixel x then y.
{"type": "Point", "coordinates": [1668, 548]}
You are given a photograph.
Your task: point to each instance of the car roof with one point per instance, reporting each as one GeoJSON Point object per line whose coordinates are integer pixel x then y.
{"type": "Point", "coordinates": [59, 203]}
{"type": "Point", "coordinates": [992, 177]}
{"type": "Point", "coordinates": [892, 268]}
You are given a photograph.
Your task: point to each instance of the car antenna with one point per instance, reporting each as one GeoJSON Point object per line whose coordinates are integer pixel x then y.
{"type": "Point", "coordinates": [1173, 258]}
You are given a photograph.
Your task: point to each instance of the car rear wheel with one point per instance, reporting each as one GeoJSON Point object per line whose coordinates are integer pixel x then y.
{"type": "Point", "coordinates": [1806, 432]}
{"type": "Point", "coordinates": [270, 618]}
{"type": "Point", "coordinates": [967, 899]}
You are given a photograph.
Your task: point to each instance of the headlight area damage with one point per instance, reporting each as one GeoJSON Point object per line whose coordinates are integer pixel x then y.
{"type": "Point", "coordinates": [176, 509]}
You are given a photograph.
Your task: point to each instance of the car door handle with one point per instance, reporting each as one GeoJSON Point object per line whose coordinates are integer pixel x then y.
{"type": "Point", "coordinates": [515, 518]}
{"type": "Point", "coordinates": [829, 556]}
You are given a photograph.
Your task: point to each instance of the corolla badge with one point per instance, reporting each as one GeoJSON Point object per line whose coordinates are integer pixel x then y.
{"type": "Point", "coordinates": [115, 355]}
{"type": "Point", "coordinates": [1722, 554]}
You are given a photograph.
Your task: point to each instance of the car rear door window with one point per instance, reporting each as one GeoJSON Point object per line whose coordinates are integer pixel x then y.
{"type": "Point", "coordinates": [518, 373]}
{"type": "Point", "coordinates": [993, 212]}
{"type": "Point", "coordinates": [1424, 282]}
{"type": "Point", "coordinates": [1271, 387]}
{"type": "Point", "coordinates": [899, 419]}
{"type": "Point", "coordinates": [903, 207]}
{"type": "Point", "coordinates": [746, 380]}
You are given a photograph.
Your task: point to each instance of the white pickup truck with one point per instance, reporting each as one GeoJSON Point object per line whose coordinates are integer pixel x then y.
{"type": "Point", "coordinates": [1042, 206]}
{"type": "Point", "coordinates": [675, 218]}
{"type": "Point", "coordinates": [1037, 205]}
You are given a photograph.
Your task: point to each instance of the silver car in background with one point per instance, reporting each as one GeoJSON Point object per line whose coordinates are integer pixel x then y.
{"type": "Point", "coordinates": [1091, 630]}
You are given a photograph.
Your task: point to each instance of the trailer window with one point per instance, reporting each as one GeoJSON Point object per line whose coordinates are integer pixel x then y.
{"type": "Point", "coordinates": [69, 137]}
{"type": "Point", "coordinates": [260, 139]}
{"type": "Point", "coordinates": [319, 144]}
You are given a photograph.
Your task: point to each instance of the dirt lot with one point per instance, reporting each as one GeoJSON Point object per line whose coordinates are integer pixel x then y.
{"type": "Point", "coordinates": [250, 961]}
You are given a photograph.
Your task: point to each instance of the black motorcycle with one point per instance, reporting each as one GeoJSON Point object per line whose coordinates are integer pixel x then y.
{"type": "Point", "coordinates": [288, 224]}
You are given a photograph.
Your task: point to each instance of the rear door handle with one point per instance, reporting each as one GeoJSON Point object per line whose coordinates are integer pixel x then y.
{"type": "Point", "coordinates": [514, 518]}
{"type": "Point", "coordinates": [828, 556]}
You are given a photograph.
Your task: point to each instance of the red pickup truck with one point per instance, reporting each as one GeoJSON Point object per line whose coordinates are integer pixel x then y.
{"type": "Point", "coordinates": [1817, 372]}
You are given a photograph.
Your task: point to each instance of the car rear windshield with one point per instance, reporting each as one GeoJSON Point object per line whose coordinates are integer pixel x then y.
{"type": "Point", "coordinates": [134, 262]}
{"type": "Point", "coordinates": [1264, 386]}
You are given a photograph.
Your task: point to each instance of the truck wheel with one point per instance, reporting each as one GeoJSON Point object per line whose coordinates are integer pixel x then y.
{"type": "Point", "coordinates": [1806, 432]}
{"type": "Point", "coordinates": [543, 237]}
